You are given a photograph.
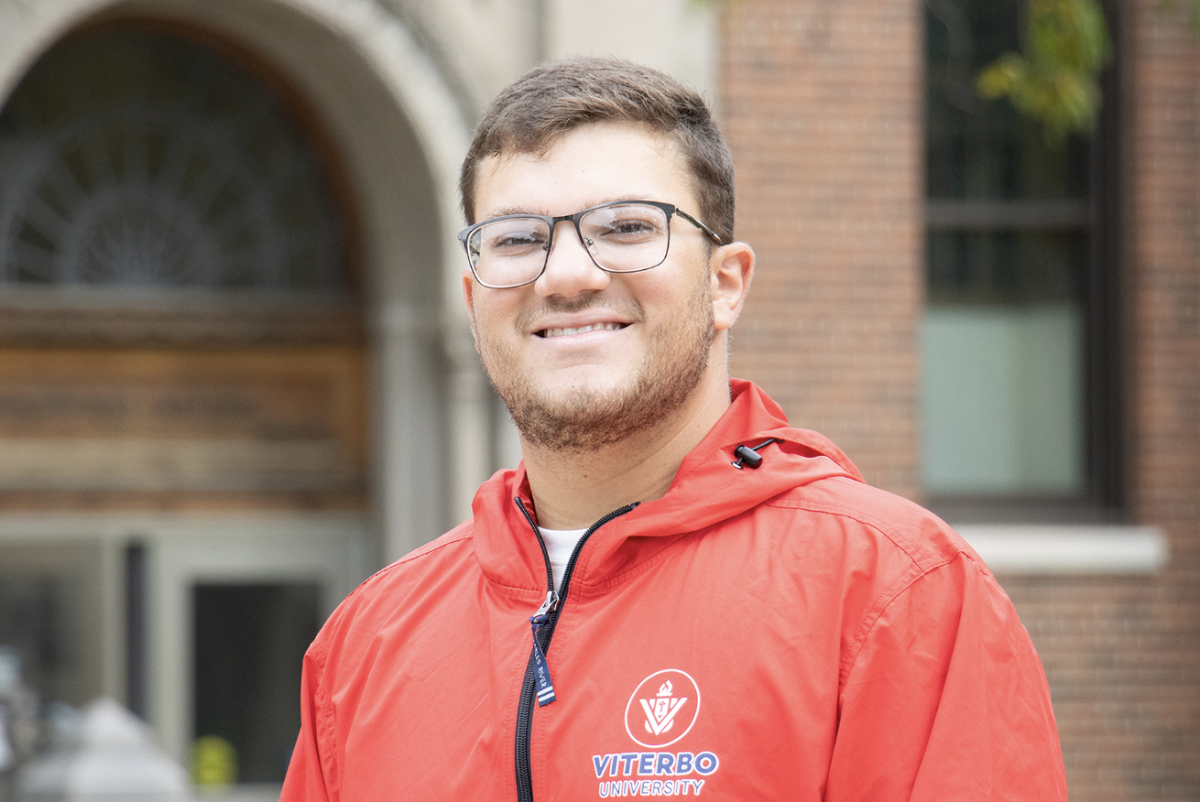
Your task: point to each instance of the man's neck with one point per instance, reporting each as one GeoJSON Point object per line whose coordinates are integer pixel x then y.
{"type": "Point", "coordinates": [572, 490]}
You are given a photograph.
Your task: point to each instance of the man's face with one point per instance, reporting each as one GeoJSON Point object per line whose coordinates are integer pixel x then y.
{"type": "Point", "coordinates": [585, 358]}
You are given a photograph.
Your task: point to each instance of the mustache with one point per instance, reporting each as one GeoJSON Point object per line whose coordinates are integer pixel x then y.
{"type": "Point", "coordinates": [580, 303]}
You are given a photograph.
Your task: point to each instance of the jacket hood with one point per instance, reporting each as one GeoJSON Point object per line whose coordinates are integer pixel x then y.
{"type": "Point", "coordinates": [707, 489]}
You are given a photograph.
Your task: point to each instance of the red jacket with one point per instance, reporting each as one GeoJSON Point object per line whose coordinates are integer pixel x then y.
{"type": "Point", "coordinates": [784, 632]}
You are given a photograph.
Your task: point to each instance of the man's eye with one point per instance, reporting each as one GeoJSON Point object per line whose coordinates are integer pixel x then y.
{"type": "Point", "coordinates": [629, 230]}
{"type": "Point", "coordinates": [515, 242]}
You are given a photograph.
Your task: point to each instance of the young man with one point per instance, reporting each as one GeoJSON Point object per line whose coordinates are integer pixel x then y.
{"type": "Point", "coordinates": [677, 593]}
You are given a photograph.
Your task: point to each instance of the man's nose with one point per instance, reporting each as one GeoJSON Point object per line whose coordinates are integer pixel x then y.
{"type": "Point", "coordinates": [569, 268]}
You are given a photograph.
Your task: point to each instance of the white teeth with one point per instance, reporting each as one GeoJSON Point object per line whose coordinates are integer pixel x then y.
{"type": "Point", "coordinates": [593, 327]}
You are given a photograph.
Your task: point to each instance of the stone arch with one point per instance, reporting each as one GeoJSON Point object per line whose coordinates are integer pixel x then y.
{"type": "Point", "coordinates": [399, 130]}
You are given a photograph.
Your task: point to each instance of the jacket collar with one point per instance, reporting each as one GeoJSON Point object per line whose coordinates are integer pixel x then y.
{"type": "Point", "coordinates": [707, 489]}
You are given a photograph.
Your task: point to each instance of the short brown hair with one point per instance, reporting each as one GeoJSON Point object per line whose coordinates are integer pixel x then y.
{"type": "Point", "coordinates": [554, 98]}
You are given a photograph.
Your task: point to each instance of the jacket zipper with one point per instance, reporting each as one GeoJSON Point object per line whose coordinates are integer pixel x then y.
{"type": "Point", "coordinates": [549, 612]}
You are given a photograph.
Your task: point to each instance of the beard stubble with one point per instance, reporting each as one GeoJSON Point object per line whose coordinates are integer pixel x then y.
{"type": "Point", "coordinates": [582, 418]}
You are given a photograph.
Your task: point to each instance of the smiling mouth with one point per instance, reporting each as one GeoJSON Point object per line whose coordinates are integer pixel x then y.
{"type": "Point", "coordinates": [581, 330]}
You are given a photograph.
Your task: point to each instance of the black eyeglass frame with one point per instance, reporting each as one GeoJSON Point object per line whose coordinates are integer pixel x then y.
{"type": "Point", "coordinates": [551, 221]}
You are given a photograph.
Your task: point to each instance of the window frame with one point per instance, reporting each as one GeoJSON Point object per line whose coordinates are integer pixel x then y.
{"type": "Point", "coordinates": [1102, 301]}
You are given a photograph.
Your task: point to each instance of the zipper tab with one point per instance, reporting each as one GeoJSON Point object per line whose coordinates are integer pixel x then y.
{"type": "Point", "coordinates": [543, 686]}
{"type": "Point", "coordinates": [548, 606]}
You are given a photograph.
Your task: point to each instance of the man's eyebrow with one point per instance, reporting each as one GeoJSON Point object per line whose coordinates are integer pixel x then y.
{"type": "Point", "coordinates": [507, 210]}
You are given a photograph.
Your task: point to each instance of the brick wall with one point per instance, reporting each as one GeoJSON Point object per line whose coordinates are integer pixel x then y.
{"type": "Point", "coordinates": [822, 105]}
{"type": "Point", "coordinates": [821, 102]}
{"type": "Point", "coordinates": [1165, 392]}
{"type": "Point", "coordinates": [1165, 178]}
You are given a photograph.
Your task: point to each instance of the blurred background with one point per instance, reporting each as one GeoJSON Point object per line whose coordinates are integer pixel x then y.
{"type": "Point", "coordinates": [236, 377]}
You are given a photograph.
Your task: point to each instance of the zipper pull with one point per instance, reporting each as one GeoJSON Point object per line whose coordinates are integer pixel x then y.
{"type": "Point", "coordinates": [544, 688]}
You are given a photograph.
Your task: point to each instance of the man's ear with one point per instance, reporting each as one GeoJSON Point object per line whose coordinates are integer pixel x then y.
{"type": "Point", "coordinates": [732, 268]}
{"type": "Point", "coordinates": [468, 287]}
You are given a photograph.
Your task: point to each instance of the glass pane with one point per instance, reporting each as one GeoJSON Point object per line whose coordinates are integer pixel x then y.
{"type": "Point", "coordinates": [1003, 355]}
{"type": "Point", "coordinates": [977, 149]}
{"type": "Point", "coordinates": [1003, 268]}
{"type": "Point", "coordinates": [136, 159]}
{"type": "Point", "coordinates": [50, 617]}
{"type": "Point", "coordinates": [249, 643]}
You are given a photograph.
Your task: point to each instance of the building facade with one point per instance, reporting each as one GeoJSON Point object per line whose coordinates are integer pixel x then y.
{"type": "Point", "coordinates": [1004, 331]}
{"type": "Point", "coordinates": [236, 375]}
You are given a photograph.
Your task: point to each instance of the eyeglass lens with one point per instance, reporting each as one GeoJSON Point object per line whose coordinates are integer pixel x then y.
{"type": "Point", "coordinates": [620, 238]}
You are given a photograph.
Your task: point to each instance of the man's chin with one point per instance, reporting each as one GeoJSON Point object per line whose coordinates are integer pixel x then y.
{"type": "Point", "coordinates": [587, 417]}
{"type": "Point", "coordinates": [581, 418]}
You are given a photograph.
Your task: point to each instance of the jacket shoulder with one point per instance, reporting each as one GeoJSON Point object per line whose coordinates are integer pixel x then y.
{"type": "Point", "coordinates": [861, 509]}
{"type": "Point", "coordinates": [899, 569]}
{"type": "Point", "coordinates": [378, 598]}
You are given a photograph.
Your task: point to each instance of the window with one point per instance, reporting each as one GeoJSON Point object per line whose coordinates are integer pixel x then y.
{"type": "Point", "coordinates": [135, 159]}
{"type": "Point", "coordinates": [51, 597]}
{"type": "Point", "coordinates": [1017, 398]}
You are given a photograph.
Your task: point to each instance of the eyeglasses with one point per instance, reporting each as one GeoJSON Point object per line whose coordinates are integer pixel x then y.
{"type": "Point", "coordinates": [620, 237]}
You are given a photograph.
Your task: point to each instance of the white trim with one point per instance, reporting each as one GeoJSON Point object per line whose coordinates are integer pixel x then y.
{"type": "Point", "coordinates": [1068, 549]}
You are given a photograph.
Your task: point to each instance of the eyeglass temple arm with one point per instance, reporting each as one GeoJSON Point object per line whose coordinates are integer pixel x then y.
{"type": "Point", "coordinates": [700, 226]}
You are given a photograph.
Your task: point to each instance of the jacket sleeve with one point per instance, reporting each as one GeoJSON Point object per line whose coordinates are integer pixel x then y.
{"type": "Point", "coordinates": [946, 699]}
{"type": "Point", "coordinates": [312, 771]}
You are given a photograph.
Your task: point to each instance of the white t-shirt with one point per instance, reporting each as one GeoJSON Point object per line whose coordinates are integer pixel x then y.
{"type": "Point", "coordinates": [559, 545]}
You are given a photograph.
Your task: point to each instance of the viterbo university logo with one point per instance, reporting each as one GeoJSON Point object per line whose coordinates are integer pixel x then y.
{"type": "Point", "coordinates": [663, 708]}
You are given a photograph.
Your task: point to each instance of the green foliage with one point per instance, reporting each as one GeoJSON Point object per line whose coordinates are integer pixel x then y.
{"type": "Point", "coordinates": [1056, 79]}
